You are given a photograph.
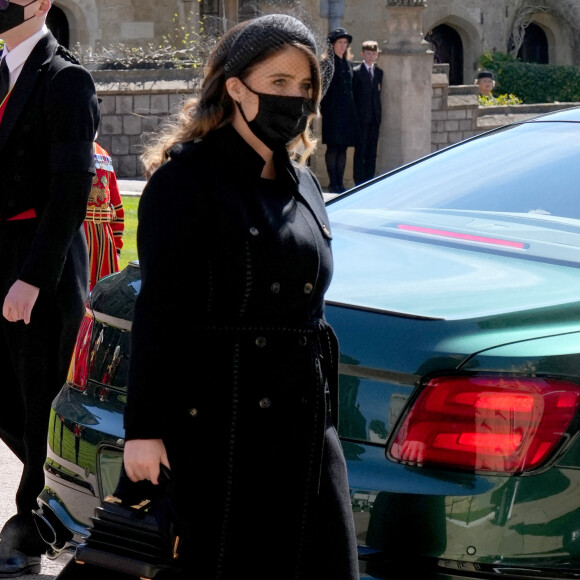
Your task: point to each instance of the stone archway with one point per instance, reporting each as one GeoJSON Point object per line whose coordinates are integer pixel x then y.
{"type": "Point", "coordinates": [560, 37]}
{"type": "Point", "coordinates": [57, 23]}
{"type": "Point", "coordinates": [469, 31]}
{"type": "Point", "coordinates": [82, 17]}
{"type": "Point", "coordinates": [535, 45]}
{"type": "Point", "coordinates": [448, 48]}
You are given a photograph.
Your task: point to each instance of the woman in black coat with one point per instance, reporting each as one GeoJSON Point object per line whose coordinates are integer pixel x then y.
{"type": "Point", "coordinates": [233, 372]}
{"type": "Point", "coordinates": [339, 116]}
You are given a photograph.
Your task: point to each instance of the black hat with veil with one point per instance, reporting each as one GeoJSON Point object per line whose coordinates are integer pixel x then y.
{"type": "Point", "coordinates": [271, 32]}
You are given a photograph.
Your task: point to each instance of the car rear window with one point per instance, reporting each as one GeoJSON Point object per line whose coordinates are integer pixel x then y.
{"type": "Point", "coordinates": [514, 190]}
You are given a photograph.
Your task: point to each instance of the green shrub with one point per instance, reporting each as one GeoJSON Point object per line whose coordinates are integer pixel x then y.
{"type": "Point", "coordinates": [531, 82]}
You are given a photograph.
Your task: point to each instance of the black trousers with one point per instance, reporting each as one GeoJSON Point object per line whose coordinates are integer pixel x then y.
{"type": "Point", "coordinates": [365, 153]}
{"type": "Point", "coordinates": [335, 158]}
{"type": "Point", "coordinates": [34, 359]}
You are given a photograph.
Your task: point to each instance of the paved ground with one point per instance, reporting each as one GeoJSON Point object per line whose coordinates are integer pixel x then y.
{"type": "Point", "coordinates": [10, 471]}
{"type": "Point", "coordinates": [130, 186]}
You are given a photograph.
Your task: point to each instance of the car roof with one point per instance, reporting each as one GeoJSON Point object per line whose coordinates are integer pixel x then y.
{"type": "Point", "coordinates": [568, 115]}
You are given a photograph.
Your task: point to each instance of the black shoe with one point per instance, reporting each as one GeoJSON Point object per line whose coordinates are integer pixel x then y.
{"type": "Point", "coordinates": [20, 547]}
{"type": "Point", "coordinates": [14, 563]}
{"type": "Point", "coordinates": [20, 533]}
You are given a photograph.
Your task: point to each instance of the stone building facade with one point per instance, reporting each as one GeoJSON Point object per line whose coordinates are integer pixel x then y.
{"type": "Point", "coordinates": [459, 30]}
{"type": "Point", "coordinates": [424, 110]}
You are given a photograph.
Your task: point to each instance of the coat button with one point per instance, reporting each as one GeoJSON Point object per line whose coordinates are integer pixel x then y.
{"type": "Point", "coordinates": [308, 287]}
{"type": "Point", "coordinates": [193, 412]}
{"type": "Point", "coordinates": [261, 341]}
{"type": "Point", "coordinates": [254, 231]}
{"type": "Point", "coordinates": [303, 341]}
{"type": "Point", "coordinates": [265, 403]}
{"type": "Point", "coordinates": [275, 287]}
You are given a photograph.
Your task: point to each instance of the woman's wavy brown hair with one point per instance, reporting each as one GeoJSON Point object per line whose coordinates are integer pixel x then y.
{"type": "Point", "coordinates": [215, 108]}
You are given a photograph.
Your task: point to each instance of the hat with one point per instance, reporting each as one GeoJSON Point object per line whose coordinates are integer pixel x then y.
{"type": "Point", "coordinates": [485, 74]}
{"type": "Point", "coordinates": [339, 33]}
{"type": "Point", "coordinates": [263, 33]}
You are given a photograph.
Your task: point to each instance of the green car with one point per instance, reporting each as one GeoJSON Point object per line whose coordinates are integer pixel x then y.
{"type": "Point", "coordinates": [456, 300]}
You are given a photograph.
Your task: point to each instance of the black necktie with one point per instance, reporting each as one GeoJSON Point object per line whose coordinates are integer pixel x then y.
{"type": "Point", "coordinates": [4, 80]}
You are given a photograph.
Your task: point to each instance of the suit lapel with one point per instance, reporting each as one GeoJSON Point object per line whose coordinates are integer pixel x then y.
{"type": "Point", "coordinates": [39, 57]}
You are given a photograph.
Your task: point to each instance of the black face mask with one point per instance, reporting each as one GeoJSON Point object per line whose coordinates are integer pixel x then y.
{"type": "Point", "coordinates": [280, 119]}
{"type": "Point", "coordinates": [13, 16]}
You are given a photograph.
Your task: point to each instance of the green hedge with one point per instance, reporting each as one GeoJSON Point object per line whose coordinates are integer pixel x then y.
{"type": "Point", "coordinates": [531, 82]}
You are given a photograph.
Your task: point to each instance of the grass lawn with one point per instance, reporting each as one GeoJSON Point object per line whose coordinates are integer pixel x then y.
{"type": "Point", "coordinates": [129, 251]}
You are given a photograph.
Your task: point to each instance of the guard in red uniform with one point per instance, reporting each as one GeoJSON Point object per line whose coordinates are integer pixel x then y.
{"type": "Point", "coordinates": [105, 219]}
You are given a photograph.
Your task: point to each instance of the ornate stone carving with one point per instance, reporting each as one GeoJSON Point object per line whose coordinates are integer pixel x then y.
{"type": "Point", "coordinates": [405, 26]}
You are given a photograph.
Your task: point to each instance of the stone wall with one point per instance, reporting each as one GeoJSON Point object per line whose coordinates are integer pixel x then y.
{"type": "Point", "coordinates": [453, 110]}
{"type": "Point", "coordinates": [456, 114]}
{"type": "Point", "coordinates": [134, 105]}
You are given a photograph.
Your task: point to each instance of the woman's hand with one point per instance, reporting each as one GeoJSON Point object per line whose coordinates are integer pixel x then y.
{"type": "Point", "coordinates": [142, 458]}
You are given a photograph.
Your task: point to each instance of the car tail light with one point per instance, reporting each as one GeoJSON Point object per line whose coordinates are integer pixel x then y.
{"type": "Point", "coordinates": [78, 372]}
{"type": "Point", "coordinates": [486, 423]}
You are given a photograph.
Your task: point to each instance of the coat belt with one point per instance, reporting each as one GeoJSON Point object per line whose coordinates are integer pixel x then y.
{"type": "Point", "coordinates": [321, 334]}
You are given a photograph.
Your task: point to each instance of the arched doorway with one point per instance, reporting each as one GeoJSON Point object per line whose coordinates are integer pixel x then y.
{"type": "Point", "coordinates": [448, 48]}
{"type": "Point", "coordinates": [58, 24]}
{"type": "Point", "coordinates": [535, 45]}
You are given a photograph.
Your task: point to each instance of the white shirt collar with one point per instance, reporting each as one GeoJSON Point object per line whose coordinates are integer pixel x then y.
{"type": "Point", "coordinates": [18, 55]}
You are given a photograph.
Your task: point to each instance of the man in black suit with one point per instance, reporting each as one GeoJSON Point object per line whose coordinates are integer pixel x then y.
{"type": "Point", "coordinates": [49, 115]}
{"type": "Point", "coordinates": [366, 87]}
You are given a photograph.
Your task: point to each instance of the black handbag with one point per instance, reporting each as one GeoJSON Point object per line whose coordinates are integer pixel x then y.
{"type": "Point", "coordinates": [136, 530]}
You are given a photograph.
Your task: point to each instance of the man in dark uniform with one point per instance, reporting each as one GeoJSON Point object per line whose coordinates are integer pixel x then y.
{"type": "Point", "coordinates": [48, 119]}
{"type": "Point", "coordinates": [366, 87]}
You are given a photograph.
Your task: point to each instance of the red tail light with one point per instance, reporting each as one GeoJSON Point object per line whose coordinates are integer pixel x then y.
{"type": "Point", "coordinates": [486, 423]}
{"type": "Point", "coordinates": [78, 372]}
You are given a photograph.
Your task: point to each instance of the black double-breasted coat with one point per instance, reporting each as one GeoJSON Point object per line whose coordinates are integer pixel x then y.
{"type": "Point", "coordinates": [234, 366]}
{"type": "Point", "coordinates": [46, 165]}
{"type": "Point", "coordinates": [339, 115]}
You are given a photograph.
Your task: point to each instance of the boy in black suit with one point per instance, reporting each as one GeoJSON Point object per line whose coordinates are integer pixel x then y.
{"type": "Point", "coordinates": [48, 119]}
{"type": "Point", "coordinates": [366, 87]}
